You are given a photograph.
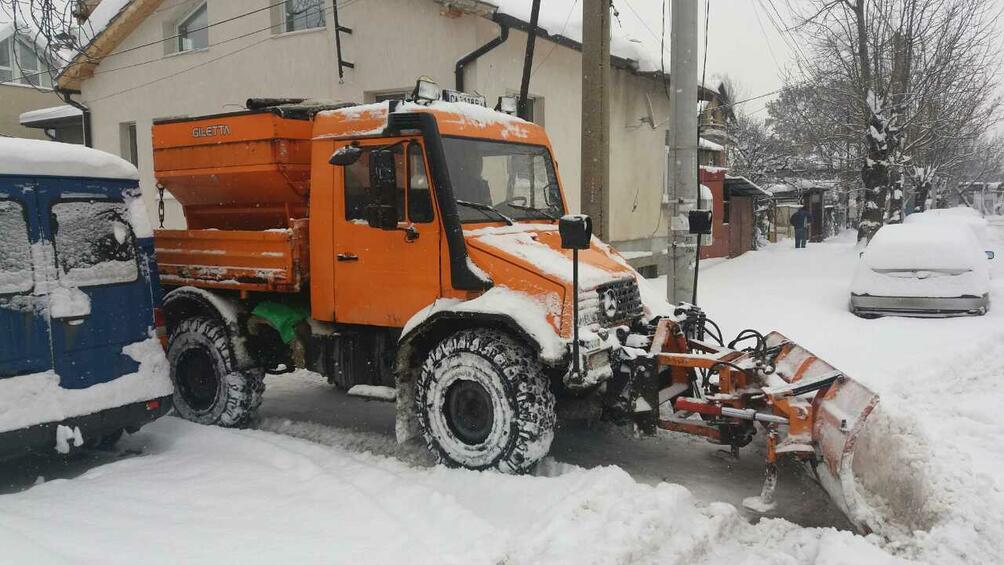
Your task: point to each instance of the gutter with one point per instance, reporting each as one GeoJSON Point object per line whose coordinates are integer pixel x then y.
{"type": "Point", "coordinates": [86, 113]}
{"type": "Point", "coordinates": [477, 53]}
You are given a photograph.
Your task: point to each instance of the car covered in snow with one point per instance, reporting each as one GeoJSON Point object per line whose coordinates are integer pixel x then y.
{"type": "Point", "coordinates": [959, 215]}
{"type": "Point", "coordinates": [80, 356]}
{"type": "Point", "coordinates": [926, 269]}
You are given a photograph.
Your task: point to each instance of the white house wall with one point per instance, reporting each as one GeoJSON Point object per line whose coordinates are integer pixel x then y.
{"type": "Point", "coordinates": [393, 42]}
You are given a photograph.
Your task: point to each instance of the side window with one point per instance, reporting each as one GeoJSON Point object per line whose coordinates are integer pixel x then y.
{"type": "Point", "coordinates": [304, 14]}
{"type": "Point", "coordinates": [15, 250]}
{"type": "Point", "coordinates": [419, 197]}
{"type": "Point", "coordinates": [359, 191]}
{"type": "Point", "coordinates": [94, 243]}
{"type": "Point", "coordinates": [193, 30]}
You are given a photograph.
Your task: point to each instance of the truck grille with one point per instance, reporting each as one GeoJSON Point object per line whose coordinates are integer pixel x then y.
{"type": "Point", "coordinates": [611, 304]}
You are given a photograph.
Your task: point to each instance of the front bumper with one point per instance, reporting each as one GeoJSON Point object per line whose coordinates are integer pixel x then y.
{"type": "Point", "coordinates": [42, 437]}
{"type": "Point", "coordinates": [919, 306]}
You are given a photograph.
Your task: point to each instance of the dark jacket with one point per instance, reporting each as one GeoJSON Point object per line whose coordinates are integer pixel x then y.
{"type": "Point", "coordinates": [799, 219]}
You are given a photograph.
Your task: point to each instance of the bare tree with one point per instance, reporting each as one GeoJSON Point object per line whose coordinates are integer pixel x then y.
{"type": "Point", "coordinates": [913, 80]}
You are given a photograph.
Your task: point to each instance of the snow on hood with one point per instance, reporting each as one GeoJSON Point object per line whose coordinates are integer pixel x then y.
{"type": "Point", "coordinates": [542, 250]}
{"type": "Point", "coordinates": [530, 313]}
{"type": "Point", "coordinates": [50, 158]}
{"type": "Point", "coordinates": [961, 215]}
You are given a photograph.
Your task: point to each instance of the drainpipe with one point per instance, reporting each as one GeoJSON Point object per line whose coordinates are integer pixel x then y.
{"type": "Point", "coordinates": [477, 53]}
{"type": "Point", "coordinates": [86, 117]}
{"type": "Point", "coordinates": [531, 38]}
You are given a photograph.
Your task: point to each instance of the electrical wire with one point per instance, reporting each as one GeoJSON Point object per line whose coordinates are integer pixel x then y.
{"type": "Point", "coordinates": [203, 63]}
{"type": "Point", "coordinates": [98, 60]}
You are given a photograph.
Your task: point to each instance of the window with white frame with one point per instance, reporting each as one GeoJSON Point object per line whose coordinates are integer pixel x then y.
{"type": "Point", "coordinates": [6, 64]}
{"type": "Point", "coordinates": [21, 64]}
{"type": "Point", "coordinates": [193, 29]}
{"type": "Point", "coordinates": [303, 14]}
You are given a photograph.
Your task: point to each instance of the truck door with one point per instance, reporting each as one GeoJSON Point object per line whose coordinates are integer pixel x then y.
{"type": "Point", "coordinates": [99, 297]}
{"type": "Point", "coordinates": [383, 277]}
{"type": "Point", "coordinates": [24, 327]}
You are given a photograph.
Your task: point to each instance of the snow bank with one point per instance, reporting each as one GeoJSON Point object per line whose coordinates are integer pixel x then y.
{"type": "Point", "coordinates": [259, 497]}
{"type": "Point", "coordinates": [51, 158]}
{"type": "Point", "coordinates": [932, 454]}
{"type": "Point", "coordinates": [38, 399]}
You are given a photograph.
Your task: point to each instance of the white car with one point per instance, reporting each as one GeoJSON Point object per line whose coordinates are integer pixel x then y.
{"type": "Point", "coordinates": [922, 269]}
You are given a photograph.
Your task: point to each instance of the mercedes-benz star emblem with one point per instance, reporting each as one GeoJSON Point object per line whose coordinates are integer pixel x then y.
{"type": "Point", "coordinates": [608, 302]}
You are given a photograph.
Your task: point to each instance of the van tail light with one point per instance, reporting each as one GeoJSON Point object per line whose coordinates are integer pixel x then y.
{"type": "Point", "coordinates": [160, 326]}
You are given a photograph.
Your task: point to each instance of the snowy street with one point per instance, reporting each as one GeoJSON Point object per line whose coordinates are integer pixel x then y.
{"type": "Point", "coordinates": [324, 481]}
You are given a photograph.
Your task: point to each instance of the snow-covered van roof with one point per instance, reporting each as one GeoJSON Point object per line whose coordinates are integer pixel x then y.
{"type": "Point", "coordinates": [32, 157]}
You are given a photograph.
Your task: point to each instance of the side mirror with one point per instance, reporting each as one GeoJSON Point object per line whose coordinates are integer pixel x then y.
{"type": "Point", "coordinates": [990, 254]}
{"type": "Point", "coordinates": [700, 222]}
{"type": "Point", "coordinates": [345, 156]}
{"type": "Point", "coordinates": [576, 231]}
{"type": "Point", "coordinates": [381, 216]}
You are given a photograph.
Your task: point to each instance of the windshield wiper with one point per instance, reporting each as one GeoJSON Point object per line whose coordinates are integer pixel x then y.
{"type": "Point", "coordinates": [532, 209]}
{"type": "Point", "coordinates": [486, 208]}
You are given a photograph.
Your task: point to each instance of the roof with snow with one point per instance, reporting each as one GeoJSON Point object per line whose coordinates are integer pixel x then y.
{"type": "Point", "coordinates": [32, 157]}
{"type": "Point", "coordinates": [635, 38]}
{"type": "Point", "coordinates": [36, 118]}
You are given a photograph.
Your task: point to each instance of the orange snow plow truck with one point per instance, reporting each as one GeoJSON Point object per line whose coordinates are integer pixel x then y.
{"type": "Point", "coordinates": [421, 252]}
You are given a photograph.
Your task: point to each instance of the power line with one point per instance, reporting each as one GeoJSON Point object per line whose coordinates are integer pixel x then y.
{"type": "Point", "coordinates": [329, 9]}
{"type": "Point", "coordinates": [207, 62]}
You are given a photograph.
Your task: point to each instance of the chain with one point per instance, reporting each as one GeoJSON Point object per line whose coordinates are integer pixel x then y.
{"type": "Point", "coordinates": [160, 204]}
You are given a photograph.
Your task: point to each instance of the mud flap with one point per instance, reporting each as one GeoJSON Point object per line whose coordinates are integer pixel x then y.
{"type": "Point", "coordinates": [406, 426]}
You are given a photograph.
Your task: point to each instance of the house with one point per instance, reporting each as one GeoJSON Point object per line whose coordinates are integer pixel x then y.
{"type": "Point", "coordinates": [25, 79]}
{"type": "Point", "coordinates": [733, 218]}
{"type": "Point", "coordinates": [818, 196]}
{"type": "Point", "coordinates": [987, 197]}
{"type": "Point", "coordinates": [154, 59]}
{"type": "Point", "coordinates": [63, 123]}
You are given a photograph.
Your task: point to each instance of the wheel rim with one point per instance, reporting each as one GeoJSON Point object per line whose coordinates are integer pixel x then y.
{"type": "Point", "coordinates": [197, 380]}
{"type": "Point", "coordinates": [468, 411]}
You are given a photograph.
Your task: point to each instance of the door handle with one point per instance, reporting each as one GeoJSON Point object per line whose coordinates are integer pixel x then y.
{"type": "Point", "coordinates": [347, 257]}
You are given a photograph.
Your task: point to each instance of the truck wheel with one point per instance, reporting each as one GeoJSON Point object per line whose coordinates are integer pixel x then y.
{"type": "Point", "coordinates": [483, 402]}
{"type": "Point", "coordinates": [207, 389]}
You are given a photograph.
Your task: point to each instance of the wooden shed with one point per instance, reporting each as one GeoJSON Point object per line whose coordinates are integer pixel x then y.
{"type": "Point", "coordinates": [734, 201]}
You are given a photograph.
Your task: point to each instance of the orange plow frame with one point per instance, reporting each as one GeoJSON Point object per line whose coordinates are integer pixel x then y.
{"type": "Point", "coordinates": [811, 412]}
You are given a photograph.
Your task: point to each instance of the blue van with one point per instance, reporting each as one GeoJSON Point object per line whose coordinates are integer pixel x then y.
{"type": "Point", "coordinates": [81, 355]}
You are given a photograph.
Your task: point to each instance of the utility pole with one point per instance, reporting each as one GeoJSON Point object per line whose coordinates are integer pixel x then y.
{"type": "Point", "coordinates": [595, 196]}
{"type": "Point", "coordinates": [682, 249]}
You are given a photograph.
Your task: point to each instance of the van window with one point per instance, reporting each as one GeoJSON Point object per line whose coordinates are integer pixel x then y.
{"type": "Point", "coordinates": [94, 243]}
{"type": "Point", "coordinates": [15, 250]}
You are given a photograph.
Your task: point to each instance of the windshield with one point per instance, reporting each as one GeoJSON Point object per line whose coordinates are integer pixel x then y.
{"type": "Point", "coordinates": [517, 180]}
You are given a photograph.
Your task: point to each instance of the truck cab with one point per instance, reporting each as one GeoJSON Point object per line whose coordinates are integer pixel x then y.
{"type": "Point", "coordinates": [412, 245]}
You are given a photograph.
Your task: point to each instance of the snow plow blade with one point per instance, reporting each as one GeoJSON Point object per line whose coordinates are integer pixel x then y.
{"type": "Point", "coordinates": [839, 411]}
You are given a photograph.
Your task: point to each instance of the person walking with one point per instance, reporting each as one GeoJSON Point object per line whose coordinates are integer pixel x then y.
{"type": "Point", "coordinates": [799, 221]}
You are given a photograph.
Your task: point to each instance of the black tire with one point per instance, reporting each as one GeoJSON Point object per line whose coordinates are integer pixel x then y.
{"type": "Point", "coordinates": [484, 403]}
{"type": "Point", "coordinates": [207, 389]}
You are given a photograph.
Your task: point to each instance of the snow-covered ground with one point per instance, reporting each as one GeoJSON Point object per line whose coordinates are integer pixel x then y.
{"type": "Point", "coordinates": [322, 480]}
